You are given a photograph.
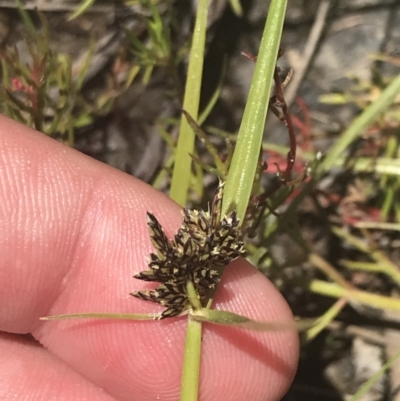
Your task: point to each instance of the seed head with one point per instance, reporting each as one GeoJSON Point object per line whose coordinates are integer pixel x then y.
{"type": "Point", "coordinates": [203, 245]}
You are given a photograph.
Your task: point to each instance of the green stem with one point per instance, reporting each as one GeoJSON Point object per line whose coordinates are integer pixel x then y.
{"type": "Point", "coordinates": [383, 263]}
{"type": "Point", "coordinates": [183, 161]}
{"type": "Point", "coordinates": [325, 319]}
{"type": "Point", "coordinates": [101, 315]}
{"type": "Point", "coordinates": [374, 378]}
{"type": "Point", "coordinates": [328, 269]}
{"type": "Point", "coordinates": [191, 361]}
{"type": "Point", "coordinates": [192, 295]}
{"type": "Point", "coordinates": [239, 182]}
{"type": "Point", "coordinates": [363, 121]}
{"type": "Point", "coordinates": [180, 187]}
{"type": "Point", "coordinates": [366, 298]}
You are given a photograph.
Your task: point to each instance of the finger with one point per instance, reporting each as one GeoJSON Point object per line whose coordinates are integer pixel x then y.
{"type": "Point", "coordinates": [74, 234]}
{"type": "Point", "coordinates": [247, 364]}
{"type": "Point", "coordinates": [28, 371]}
{"type": "Point", "coordinates": [65, 218]}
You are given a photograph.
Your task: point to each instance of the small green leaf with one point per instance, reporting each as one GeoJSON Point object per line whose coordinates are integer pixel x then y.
{"type": "Point", "coordinates": [28, 23]}
{"type": "Point", "coordinates": [119, 316]}
{"type": "Point", "coordinates": [236, 7]}
{"type": "Point", "coordinates": [84, 6]}
{"type": "Point", "coordinates": [374, 378]}
{"type": "Point", "coordinates": [360, 124]}
{"type": "Point", "coordinates": [220, 166]}
{"type": "Point", "coordinates": [334, 98]}
{"type": "Point", "coordinates": [83, 121]}
{"type": "Point", "coordinates": [227, 318]}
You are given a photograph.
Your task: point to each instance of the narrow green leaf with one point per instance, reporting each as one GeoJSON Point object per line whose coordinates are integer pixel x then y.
{"type": "Point", "coordinates": [183, 162]}
{"type": "Point", "coordinates": [215, 96]}
{"type": "Point", "coordinates": [26, 18]}
{"type": "Point", "coordinates": [95, 315]}
{"type": "Point", "coordinates": [361, 123]}
{"type": "Point", "coordinates": [370, 382]}
{"type": "Point", "coordinates": [191, 365]}
{"type": "Point", "coordinates": [180, 185]}
{"type": "Point", "coordinates": [220, 166]}
{"type": "Point", "coordinates": [236, 7]}
{"type": "Point", "coordinates": [243, 168]}
{"type": "Point", "coordinates": [363, 297]}
{"type": "Point", "coordinates": [227, 318]}
{"type": "Point", "coordinates": [82, 8]}
{"type": "Point", "coordinates": [133, 72]}
{"type": "Point", "coordinates": [322, 322]}
{"type": "Point", "coordinates": [86, 64]}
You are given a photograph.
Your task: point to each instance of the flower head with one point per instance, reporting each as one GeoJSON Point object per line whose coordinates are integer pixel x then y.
{"type": "Point", "coordinates": [203, 245]}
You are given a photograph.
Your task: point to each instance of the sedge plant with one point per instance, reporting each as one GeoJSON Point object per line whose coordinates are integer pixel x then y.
{"type": "Point", "coordinates": [44, 93]}
{"type": "Point", "coordinates": [189, 267]}
{"type": "Point", "coordinates": [188, 279]}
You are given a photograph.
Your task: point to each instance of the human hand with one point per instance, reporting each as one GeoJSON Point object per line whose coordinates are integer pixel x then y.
{"type": "Point", "coordinates": [73, 234]}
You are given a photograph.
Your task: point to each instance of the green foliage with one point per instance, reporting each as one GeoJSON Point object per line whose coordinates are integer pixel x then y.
{"type": "Point", "coordinates": [44, 93]}
{"type": "Point", "coordinates": [157, 51]}
{"type": "Point", "coordinates": [82, 8]}
{"type": "Point", "coordinates": [47, 93]}
{"type": "Point", "coordinates": [182, 168]}
{"type": "Point", "coordinates": [242, 171]}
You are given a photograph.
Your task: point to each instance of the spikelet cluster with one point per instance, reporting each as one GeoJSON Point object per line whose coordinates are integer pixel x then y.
{"type": "Point", "coordinates": [203, 245]}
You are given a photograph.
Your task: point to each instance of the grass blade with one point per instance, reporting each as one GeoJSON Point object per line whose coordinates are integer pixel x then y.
{"type": "Point", "coordinates": [245, 158]}
{"type": "Point", "coordinates": [95, 315]}
{"type": "Point", "coordinates": [183, 161]}
{"type": "Point", "coordinates": [363, 121]}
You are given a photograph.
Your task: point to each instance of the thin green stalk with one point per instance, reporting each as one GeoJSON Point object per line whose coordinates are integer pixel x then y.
{"type": "Point", "coordinates": [183, 161]}
{"type": "Point", "coordinates": [102, 315]}
{"type": "Point", "coordinates": [214, 98]}
{"type": "Point", "coordinates": [384, 264]}
{"type": "Point", "coordinates": [191, 366]}
{"type": "Point", "coordinates": [328, 269]}
{"type": "Point", "coordinates": [236, 7]}
{"type": "Point", "coordinates": [180, 185]}
{"type": "Point", "coordinates": [379, 165]}
{"type": "Point", "coordinates": [366, 298]}
{"type": "Point", "coordinates": [212, 150]}
{"type": "Point", "coordinates": [192, 356]}
{"type": "Point", "coordinates": [82, 8]}
{"type": "Point", "coordinates": [375, 377]}
{"type": "Point", "coordinates": [244, 163]}
{"type": "Point", "coordinates": [325, 319]}
{"type": "Point", "coordinates": [378, 225]}
{"type": "Point", "coordinates": [243, 168]}
{"type": "Point", "coordinates": [26, 18]}
{"type": "Point", "coordinates": [363, 121]}
{"type": "Point", "coordinates": [381, 265]}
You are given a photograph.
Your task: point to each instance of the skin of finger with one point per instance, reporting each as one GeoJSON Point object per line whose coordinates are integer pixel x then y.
{"type": "Point", "coordinates": [75, 233]}
{"type": "Point", "coordinates": [30, 372]}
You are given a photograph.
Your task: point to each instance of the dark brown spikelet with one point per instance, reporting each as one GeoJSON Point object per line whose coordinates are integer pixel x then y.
{"type": "Point", "coordinates": [203, 245]}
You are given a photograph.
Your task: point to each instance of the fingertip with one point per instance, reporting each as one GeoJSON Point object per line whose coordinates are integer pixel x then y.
{"type": "Point", "coordinates": [243, 364]}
